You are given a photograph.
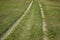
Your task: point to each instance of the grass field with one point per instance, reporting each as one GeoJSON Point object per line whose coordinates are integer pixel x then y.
{"type": "Point", "coordinates": [30, 27]}
{"type": "Point", "coordinates": [10, 11]}
{"type": "Point", "coordinates": [52, 14]}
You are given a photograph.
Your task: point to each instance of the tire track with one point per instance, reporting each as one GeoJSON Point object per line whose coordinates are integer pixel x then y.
{"type": "Point", "coordinates": [43, 23]}
{"type": "Point", "coordinates": [16, 23]}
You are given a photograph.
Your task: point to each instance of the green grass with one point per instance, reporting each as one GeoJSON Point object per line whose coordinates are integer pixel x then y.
{"type": "Point", "coordinates": [30, 27]}
{"type": "Point", "coordinates": [52, 14]}
{"type": "Point", "coordinates": [10, 11]}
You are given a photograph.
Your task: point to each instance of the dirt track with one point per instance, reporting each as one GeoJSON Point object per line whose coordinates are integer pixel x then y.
{"type": "Point", "coordinates": [43, 23]}
{"type": "Point", "coordinates": [16, 23]}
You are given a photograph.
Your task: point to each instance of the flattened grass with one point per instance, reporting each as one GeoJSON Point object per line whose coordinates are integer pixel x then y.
{"type": "Point", "coordinates": [10, 11]}
{"type": "Point", "coordinates": [30, 27]}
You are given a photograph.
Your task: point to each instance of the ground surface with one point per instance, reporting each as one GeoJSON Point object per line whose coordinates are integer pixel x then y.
{"type": "Point", "coordinates": [32, 25]}
{"type": "Point", "coordinates": [52, 17]}
{"type": "Point", "coordinates": [10, 11]}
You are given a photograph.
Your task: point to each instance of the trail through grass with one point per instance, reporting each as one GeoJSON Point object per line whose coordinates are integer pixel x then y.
{"type": "Point", "coordinates": [43, 23]}
{"type": "Point", "coordinates": [10, 11]}
{"type": "Point", "coordinates": [30, 27]}
{"type": "Point", "coordinates": [16, 23]}
{"type": "Point", "coordinates": [52, 14]}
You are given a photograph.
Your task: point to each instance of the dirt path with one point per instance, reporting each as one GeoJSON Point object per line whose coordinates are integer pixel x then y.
{"type": "Point", "coordinates": [16, 23]}
{"type": "Point", "coordinates": [43, 23]}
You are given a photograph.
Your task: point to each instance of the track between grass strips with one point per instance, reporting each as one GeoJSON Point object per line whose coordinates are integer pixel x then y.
{"type": "Point", "coordinates": [24, 35]}
{"type": "Point", "coordinates": [43, 23]}
{"type": "Point", "coordinates": [16, 23]}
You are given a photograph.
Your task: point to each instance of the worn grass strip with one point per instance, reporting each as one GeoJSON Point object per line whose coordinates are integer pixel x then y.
{"type": "Point", "coordinates": [22, 31]}
{"type": "Point", "coordinates": [43, 23]}
{"type": "Point", "coordinates": [11, 11]}
{"type": "Point", "coordinates": [52, 16]}
{"type": "Point", "coordinates": [30, 28]}
{"type": "Point", "coordinates": [34, 31]}
{"type": "Point", "coordinates": [16, 23]}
